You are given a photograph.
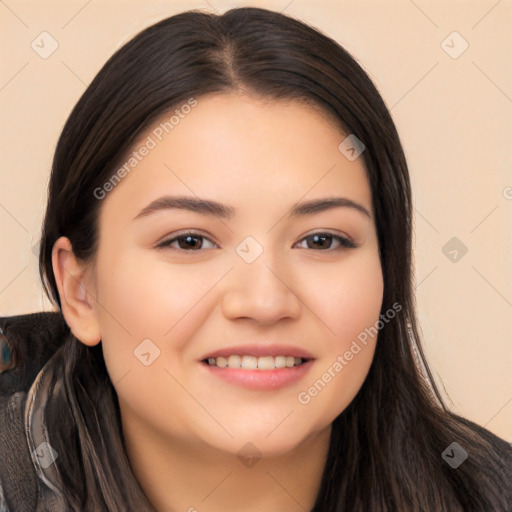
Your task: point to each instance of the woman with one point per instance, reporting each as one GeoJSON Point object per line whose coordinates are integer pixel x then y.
{"type": "Point", "coordinates": [228, 241]}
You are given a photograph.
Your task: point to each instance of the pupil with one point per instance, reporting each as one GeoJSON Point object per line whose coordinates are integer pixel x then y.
{"type": "Point", "coordinates": [316, 239]}
{"type": "Point", "coordinates": [189, 241]}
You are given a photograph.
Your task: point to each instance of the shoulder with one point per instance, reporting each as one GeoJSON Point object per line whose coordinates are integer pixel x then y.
{"type": "Point", "coordinates": [500, 450]}
{"type": "Point", "coordinates": [485, 459]}
{"type": "Point", "coordinates": [27, 342]}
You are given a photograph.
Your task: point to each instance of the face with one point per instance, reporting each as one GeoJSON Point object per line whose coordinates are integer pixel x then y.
{"type": "Point", "coordinates": [177, 285]}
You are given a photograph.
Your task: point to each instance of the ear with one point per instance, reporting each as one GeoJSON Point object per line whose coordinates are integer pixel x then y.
{"type": "Point", "coordinates": [76, 299]}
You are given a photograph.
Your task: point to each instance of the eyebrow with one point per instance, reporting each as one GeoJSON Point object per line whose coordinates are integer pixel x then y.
{"type": "Point", "coordinates": [224, 211]}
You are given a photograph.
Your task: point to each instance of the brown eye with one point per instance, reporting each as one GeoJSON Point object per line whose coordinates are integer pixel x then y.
{"type": "Point", "coordinates": [323, 241]}
{"type": "Point", "coordinates": [186, 242]}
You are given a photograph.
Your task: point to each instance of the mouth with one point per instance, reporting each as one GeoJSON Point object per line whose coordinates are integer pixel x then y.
{"type": "Point", "coordinates": [258, 367]}
{"type": "Point", "coordinates": [251, 362]}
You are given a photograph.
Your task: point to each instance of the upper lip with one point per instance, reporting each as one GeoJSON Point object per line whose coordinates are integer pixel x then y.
{"type": "Point", "coordinates": [260, 351]}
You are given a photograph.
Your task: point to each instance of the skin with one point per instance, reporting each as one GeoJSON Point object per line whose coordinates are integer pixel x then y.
{"type": "Point", "coordinates": [183, 427]}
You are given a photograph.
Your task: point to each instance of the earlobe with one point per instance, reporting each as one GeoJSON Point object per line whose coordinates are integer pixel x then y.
{"type": "Point", "coordinates": [76, 299]}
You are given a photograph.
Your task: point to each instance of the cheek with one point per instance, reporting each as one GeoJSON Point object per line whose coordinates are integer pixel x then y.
{"type": "Point", "coordinates": [349, 306]}
{"type": "Point", "coordinates": [152, 299]}
{"type": "Point", "coordinates": [149, 300]}
{"type": "Point", "coordinates": [148, 314]}
{"type": "Point", "coordinates": [347, 298]}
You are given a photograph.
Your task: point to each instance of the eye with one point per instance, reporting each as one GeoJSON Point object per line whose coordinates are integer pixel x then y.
{"type": "Point", "coordinates": [324, 241]}
{"type": "Point", "coordinates": [188, 241]}
{"type": "Point", "coordinates": [191, 241]}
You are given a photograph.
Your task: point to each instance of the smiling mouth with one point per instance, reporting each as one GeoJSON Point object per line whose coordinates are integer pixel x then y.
{"type": "Point", "coordinates": [248, 362]}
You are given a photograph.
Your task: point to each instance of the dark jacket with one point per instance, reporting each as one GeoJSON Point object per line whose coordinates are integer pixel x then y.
{"type": "Point", "coordinates": [27, 342]}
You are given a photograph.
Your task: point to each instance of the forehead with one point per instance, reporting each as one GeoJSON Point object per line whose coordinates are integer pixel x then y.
{"type": "Point", "coordinates": [236, 146]}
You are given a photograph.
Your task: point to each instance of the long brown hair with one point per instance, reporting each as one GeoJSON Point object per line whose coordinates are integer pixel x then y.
{"type": "Point", "coordinates": [386, 446]}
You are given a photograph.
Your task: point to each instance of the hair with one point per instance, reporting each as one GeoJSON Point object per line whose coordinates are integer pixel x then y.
{"type": "Point", "coordinates": [385, 448]}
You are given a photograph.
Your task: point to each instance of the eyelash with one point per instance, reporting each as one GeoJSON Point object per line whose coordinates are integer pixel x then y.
{"type": "Point", "coordinates": [344, 242]}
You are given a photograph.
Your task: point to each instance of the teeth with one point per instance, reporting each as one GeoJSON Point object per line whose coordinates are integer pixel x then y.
{"type": "Point", "coordinates": [250, 362]}
{"type": "Point", "coordinates": [255, 363]}
{"type": "Point", "coordinates": [266, 363]}
{"type": "Point", "coordinates": [280, 361]}
{"type": "Point", "coordinates": [234, 361]}
{"type": "Point", "coordinates": [221, 362]}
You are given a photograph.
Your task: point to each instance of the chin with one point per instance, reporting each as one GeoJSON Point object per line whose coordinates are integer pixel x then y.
{"type": "Point", "coordinates": [259, 443]}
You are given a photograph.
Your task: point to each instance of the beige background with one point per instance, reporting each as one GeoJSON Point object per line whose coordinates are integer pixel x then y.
{"type": "Point", "coordinates": [453, 114]}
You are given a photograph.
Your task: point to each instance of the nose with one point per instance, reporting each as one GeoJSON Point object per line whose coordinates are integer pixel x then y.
{"type": "Point", "coordinates": [262, 291]}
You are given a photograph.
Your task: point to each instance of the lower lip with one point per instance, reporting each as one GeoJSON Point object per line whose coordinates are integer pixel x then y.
{"type": "Point", "coordinates": [265, 380]}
